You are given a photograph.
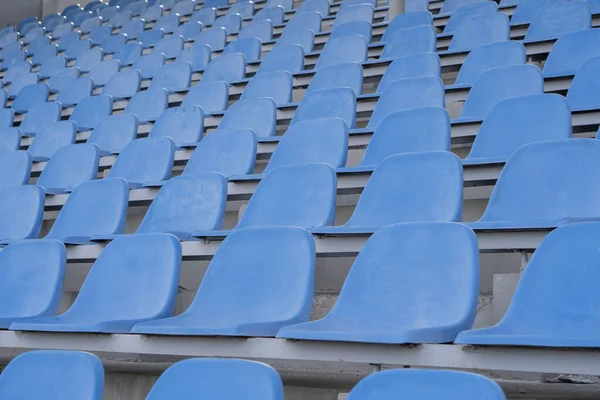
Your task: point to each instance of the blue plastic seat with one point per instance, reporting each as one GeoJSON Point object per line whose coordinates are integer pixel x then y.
{"type": "Point", "coordinates": [16, 168]}
{"type": "Point", "coordinates": [249, 47]}
{"type": "Point", "coordinates": [22, 210]}
{"type": "Point", "coordinates": [58, 81]}
{"type": "Point", "coordinates": [92, 5]}
{"type": "Point", "coordinates": [51, 21]}
{"type": "Point", "coordinates": [90, 111]}
{"type": "Point", "coordinates": [149, 65]}
{"type": "Point", "coordinates": [67, 39]}
{"type": "Point", "coordinates": [337, 102]}
{"type": "Point", "coordinates": [212, 97]}
{"type": "Point", "coordinates": [27, 97]}
{"type": "Point", "coordinates": [244, 8]}
{"type": "Point", "coordinates": [275, 14]}
{"type": "Point", "coordinates": [432, 270]}
{"type": "Point", "coordinates": [24, 23]}
{"type": "Point", "coordinates": [116, 271]}
{"type": "Point", "coordinates": [413, 66]}
{"type": "Point", "coordinates": [34, 34]}
{"type": "Point", "coordinates": [215, 38]}
{"type": "Point", "coordinates": [184, 8]}
{"type": "Point", "coordinates": [69, 167]}
{"type": "Point", "coordinates": [40, 57]}
{"type": "Point", "coordinates": [152, 13]}
{"type": "Point", "coordinates": [150, 37]}
{"type": "Point", "coordinates": [582, 93]}
{"type": "Point", "coordinates": [189, 30]}
{"type": "Point", "coordinates": [10, 49]}
{"type": "Point", "coordinates": [104, 71]}
{"type": "Point", "coordinates": [205, 16]}
{"type": "Point", "coordinates": [38, 44]}
{"type": "Point", "coordinates": [88, 59]}
{"type": "Point", "coordinates": [360, 28]}
{"type": "Point", "coordinates": [3, 97]}
{"type": "Point", "coordinates": [137, 8]}
{"type": "Point", "coordinates": [231, 22]}
{"type": "Point", "coordinates": [100, 34]}
{"type": "Point", "coordinates": [302, 21]}
{"type": "Point", "coordinates": [120, 19]}
{"type": "Point", "coordinates": [526, 11]}
{"type": "Point", "coordinates": [89, 24]}
{"type": "Point", "coordinates": [351, 3]}
{"type": "Point", "coordinates": [7, 116]}
{"type": "Point", "coordinates": [129, 53]}
{"type": "Point", "coordinates": [319, 6]}
{"type": "Point", "coordinates": [173, 77]}
{"type": "Point", "coordinates": [16, 70]}
{"type": "Point", "coordinates": [338, 75]}
{"type": "Point", "coordinates": [10, 139]}
{"type": "Point", "coordinates": [287, 5]}
{"type": "Point", "coordinates": [227, 68]}
{"type": "Point", "coordinates": [559, 18]}
{"type": "Point", "coordinates": [452, 5]}
{"type": "Point", "coordinates": [169, 46]}
{"type": "Point", "coordinates": [501, 83]}
{"type": "Point", "coordinates": [39, 116]}
{"type": "Point", "coordinates": [360, 12]}
{"type": "Point", "coordinates": [109, 12]}
{"type": "Point", "coordinates": [168, 23]}
{"type": "Point", "coordinates": [75, 91]}
{"type": "Point", "coordinates": [13, 59]}
{"type": "Point", "coordinates": [123, 84]}
{"type": "Point", "coordinates": [9, 38]}
{"type": "Point", "coordinates": [571, 51]}
{"type": "Point", "coordinates": [258, 114]}
{"type": "Point", "coordinates": [147, 105]}
{"type": "Point", "coordinates": [468, 10]}
{"type": "Point", "coordinates": [113, 43]}
{"type": "Point", "coordinates": [507, 127]}
{"type": "Point", "coordinates": [61, 30]}
{"type": "Point", "coordinates": [305, 38]}
{"type": "Point", "coordinates": [342, 50]}
{"type": "Point", "coordinates": [530, 192]}
{"type": "Point", "coordinates": [52, 66]}
{"type": "Point", "coordinates": [478, 30]}
{"type": "Point", "coordinates": [277, 85]}
{"type": "Point", "coordinates": [197, 55]}
{"type": "Point", "coordinates": [181, 124]}
{"type": "Point", "coordinates": [114, 132]}
{"type": "Point", "coordinates": [68, 11]}
{"type": "Point", "coordinates": [410, 41]}
{"type": "Point", "coordinates": [262, 30]}
{"type": "Point", "coordinates": [50, 138]}
{"type": "Point", "coordinates": [427, 385]}
{"type": "Point", "coordinates": [133, 28]}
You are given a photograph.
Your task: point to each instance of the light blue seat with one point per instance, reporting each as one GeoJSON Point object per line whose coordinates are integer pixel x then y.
{"type": "Point", "coordinates": [279, 296]}
{"type": "Point", "coordinates": [61, 30]}
{"type": "Point", "coordinates": [468, 10]}
{"type": "Point", "coordinates": [227, 68]}
{"type": "Point", "coordinates": [249, 47]}
{"type": "Point", "coordinates": [90, 111]}
{"type": "Point", "coordinates": [571, 51]}
{"type": "Point", "coordinates": [184, 8]}
{"type": "Point", "coordinates": [319, 6]}
{"type": "Point", "coordinates": [133, 28]}
{"type": "Point", "coordinates": [189, 30]}
{"type": "Point", "coordinates": [7, 116]}
{"type": "Point", "coordinates": [526, 11]}
{"type": "Point", "coordinates": [277, 85]}
{"type": "Point", "coordinates": [89, 59]}
{"type": "Point", "coordinates": [100, 34]}
{"type": "Point", "coordinates": [337, 102]}
{"type": "Point", "coordinates": [68, 11]}
{"type": "Point", "coordinates": [10, 49]}
{"type": "Point", "coordinates": [453, 5]}
{"type": "Point", "coordinates": [16, 168]}
{"type": "Point", "coordinates": [245, 9]}
{"type": "Point", "coordinates": [40, 115]}
{"type": "Point", "coordinates": [413, 66]}
{"type": "Point", "coordinates": [113, 43]}
{"type": "Point", "coordinates": [149, 65]}
{"type": "Point", "coordinates": [15, 70]}
{"type": "Point", "coordinates": [123, 84]}
{"type": "Point", "coordinates": [231, 22]}
{"type": "Point", "coordinates": [25, 25]}
{"type": "Point", "coordinates": [169, 46]}
{"type": "Point", "coordinates": [501, 83]}
{"type": "Point", "coordinates": [38, 44]}
{"type": "Point", "coordinates": [80, 17]}
{"type": "Point", "coordinates": [67, 39]}
{"type": "Point", "coordinates": [117, 271]}
{"type": "Point", "coordinates": [410, 41]}
{"type": "Point", "coordinates": [258, 114]}
{"type": "Point", "coordinates": [181, 124]}
{"type": "Point", "coordinates": [212, 97]}
{"type": "Point", "coordinates": [305, 38]}
{"type": "Point", "coordinates": [168, 23]}
{"type": "Point", "coordinates": [360, 12]}
{"type": "Point", "coordinates": [478, 30]}
{"type": "Point", "coordinates": [22, 208]}
{"type": "Point", "coordinates": [166, 4]}
{"type": "Point", "coordinates": [128, 54]}
{"type": "Point", "coordinates": [8, 38]}
{"type": "Point", "coordinates": [530, 192]}
{"type": "Point", "coordinates": [197, 55]}
{"type": "Point", "coordinates": [432, 270]}
{"type": "Point", "coordinates": [350, 3]}
{"type": "Point", "coordinates": [109, 12]}
{"type": "Point", "coordinates": [507, 127]}
{"type": "Point", "coordinates": [582, 93]}
{"type": "Point", "coordinates": [338, 75]}
{"type": "Point", "coordinates": [427, 385]}
{"type": "Point", "coordinates": [218, 378]}
{"type": "Point", "coordinates": [342, 50]}
{"type": "Point", "coordinates": [215, 4]}
{"type": "Point", "coordinates": [50, 138]}
{"type": "Point", "coordinates": [91, 5]}
{"type": "Point", "coordinates": [10, 139]}
{"type": "Point", "coordinates": [75, 91]}
{"type": "Point", "coordinates": [263, 30]}
{"type": "Point", "coordinates": [60, 374]}
{"type": "Point", "coordinates": [58, 81]}
{"type": "Point", "coordinates": [302, 21]}
{"type": "Point", "coordinates": [51, 21]}
{"type": "Point", "coordinates": [275, 14]}
{"type": "Point", "coordinates": [69, 167]}
{"type": "Point", "coordinates": [120, 19]}
{"type": "Point", "coordinates": [147, 105]}
{"type": "Point", "coordinates": [174, 77]}
{"type": "Point", "coordinates": [150, 37]}
{"type": "Point", "coordinates": [215, 38]}
{"type": "Point", "coordinates": [89, 24]}
{"type": "Point", "coordinates": [205, 16]}
{"type": "Point", "coordinates": [15, 58]}
{"type": "Point", "coordinates": [137, 8]}
{"type": "Point", "coordinates": [34, 34]}
{"type": "Point", "coordinates": [287, 5]}
{"type": "Point", "coordinates": [52, 66]}
{"type": "Point", "coordinates": [559, 18]}
{"type": "Point", "coordinates": [114, 132]}
{"type": "Point", "coordinates": [27, 97]}
{"type": "Point", "coordinates": [104, 71]}
{"type": "Point", "coordinates": [40, 57]}
{"type": "Point", "coordinates": [152, 13]}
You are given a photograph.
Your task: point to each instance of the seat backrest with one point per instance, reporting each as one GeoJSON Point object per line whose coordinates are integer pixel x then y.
{"type": "Point", "coordinates": [338, 75]}
{"type": "Point", "coordinates": [152, 13]}
{"type": "Point", "coordinates": [137, 8]}
{"type": "Point", "coordinates": [58, 81]}
{"type": "Point", "coordinates": [468, 10]}
{"type": "Point", "coordinates": [129, 53]}
{"type": "Point", "coordinates": [197, 55]}
{"type": "Point", "coordinates": [133, 28]}
{"type": "Point", "coordinates": [28, 96]}
{"type": "Point", "coordinates": [61, 30]}
{"type": "Point", "coordinates": [258, 114]}
{"type": "Point", "coordinates": [34, 34]}
{"type": "Point", "coordinates": [526, 10]}
{"type": "Point", "coordinates": [21, 55]}
{"type": "Point", "coordinates": [21, 81]}
{"type": "Point", "coordinates": [338, 102]}
{"type": "Point", "coordinates": [582, 93]}
{"type": "Point", "coordinates": [90, 58]}
{"type": "Point", "coordinates": [147, 105]}
{"type": "Point", "coordinates": [104, 71]}
{"type": "Point", "coordinates": [52, 66]}
{"type": "Point", "coordinates": [410, 41]}
{"type": "Point", "coordinates": [22, 210]}
{"type": "Point", "coordinates": [89, 24]}
{"type": "Point", "coordinates": [114, 132]}
{"type": "Point", "coordinates": [283, 58]}
{"type": "Point", "coordinates": [91, 111]}
{"type": "Point", "coordinates": [359, 12]}
{"type": "Point", "coordinates": [479, 30]}
{"type": "Point", "coordinates": [453, 5]}
{"type": "Point", "coordinates": [189, 30]}
{"type": "Point", "coordinates": [412, 130]}
{"type": "Point", "coordinates": [275, 14]}
{"type": "Point", "coordinates": [52, 137]}
{"type": "Point", "coordinates": [275, 85]}
{"type": "Point", "coordinates": [427, 385]}
{"type": "Point", "coordinates": [294, 195]}
{"type": "Point", "coordinates": [342, 50]}
{"type": "Point", "coordinates": [549, 181]}
{"type": "Point", "coordinates": [301, 21]}
{"type": "Point", "coordinates": [123, 84]}
{"type": "Point", "coordinates": [149, 65]}
{"type": "Point", "coordinates": [231, 22]}
{"type": "Point", "coordinates": [109, 12]}
{"type": "Point", "coordinates": [182, 124]}
{"type": "Point", "coordinates": [38, 44]}
{"type": "Point", "coordinates": [62, 374]}
{"type": "Point", "coordinates": [113, 43]}
{"type": "Point", "coordinates": [319, 6]}
{"type": "Point", "coordinates": [10, 139]}
{"type": "Point", "coordinates": [185, 7]}
{"type": "Point", "coordinates": [187, 203]}
{"type": "Point", "coordinates": [150, 37]}
{"type": "Point", "coordinates": [489, 56]}
{"type": "Point", "coordinates": [501, 83]}
{"type": "Point", "coordinates": [519, 121]}
{"type": "Point", "coordinates": [243, 8]}
{"type": "Point", "coordinates": [262, 29]}
{"type": "Point", "coordinates": [210, 96]}
{"type": "Point", "coordinates": [304, 37]}
{"type": "Point", "coordinates": [75, 91]}
{"type": "Point", "coordinates": [413, 66]}
{"type": "Point", "coordinates": [571, 51]}
{"type": "Point", "coordinates": [229, 153]}
{"type": "Point", "coordinates": [99, 34]}
{"type": "Point", "coordinates": [98, 207]}
{"type": "Point", "coordinates": [7, 116]}
{"type": "Point", "coordinates": [169, 46]}
{"type": "Point", "coordinates": [287, 5]}
{"type": "Point", "coordinates": [120, 19]}
{"type": "Point", "coordinates": [215, 37]}
{"type": "Point", "coordinates": [16, 168]}
{"type": "Point", "coordinates": [559, 18]}
{"type": "Point", "coordinates": [227, 68]}
{"type": "Point", "coordinates": [51, 21]}
{"type": "Point", "coordinates": [173, 77]}
{"type": "Point", "coordinates": [249, 47]}
{"type": "Point", "coordinates": [16, 70]}
{"type": "Point", "coordinates": [206, 16]}
{"type": "Point", "coordinates": [361, 28]}
{"type": "Point", "coordinates": [39, 116]}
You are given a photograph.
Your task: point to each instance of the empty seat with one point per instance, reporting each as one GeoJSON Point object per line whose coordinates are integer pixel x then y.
{"type": "Point", "coordinates": [113, 43]}
{"type": "Point", "coordinates": [148, 104]}
{"type": "Point", "coordinates": [61, 30]}
{"type": "Point", "coordinates": [276, 85]}
{"type": "Point", "coordinates": [39, 116]}
{"type": "Point", "coordinates": [129, 53]}
{"type": "Point", "coordinates": [67, 39]}
{"type": "Point", "coordinates": [89, 59]}
{"type": "Point", "coordinates": [10, 139]}
{"type": "Point", "coordinates": [338, 75]}
{"type": "Point", "coordinates": [326, 103]}
{"type": "Point", "coordinates": [302, 21]}
{"type": "Point", "coordinates": [184, 8]}
{"type": "Point", "coordinates": [168, 23]}
{"type": "Point", "coordinates": [215, 38]}
{"type": "Point", "coordinates": [89, 24]}
{"type": "Point", "coordinates": [225, 379]}
{"type": "Point", "coordinates": [100, 34]}
{"type": "Point", "coordinates": [104, 71]}
{"type": "Point", "coordinates": [181, 124]}
{"type": "Point", "coordinates": [137, 8]}
{"type": "Point", "coordinates": [479, 30]}
{"type": "Point", "coordinates": [274, 14]}
{"type": "Point", "coordinates": [15, 58]}
{"type": "Point", "coordinates": [114, 132]}
{"type": "Point", "coordinates": [231, 22]}
{"type": "Point", "coordinates": [359, 12]}
{"type": "Point", "coordinates": [149, 65]}
{"type": "Point", "coordinates": [188, 31]}
{"type": "Point", "coordinates": [37, 45]}
{"type": "Point", "coordinates": [212, 97]}
{"type": "Point", "coordinates": [109, 12]}
{"type": "Point", "coordinates": [258, 114]}
{"type": "Point", "coordinates": [263, 30]}
{"type": "Point", "coordinates": [319, 6]}
{"type": "Point", "coordinates": [205, 16]}
{"type": "Point", "coordinates": [173, 77]}
{"type": "Point", "coordinates": [453, 5]}
{"type": "Point", "coordinates": [69, 167]}
{"type": "Point", "coordinates": [75, 91]}
{"type": "Point", "coordinates": [501, 83]}
{"type": "Point", "coordinates": [3, 97]}
{"type": "Point", "coordinates": [360, 28]}
{"type": "Point", "coordinates": [342, 50]}
{"type": "Point", "coordinates": [150, 37]}
{"type": "Point", "coordinates": [117, 271]}
{"type": "Point", "coordinates": [120, 19]}
{"type": "Point", "coordinates": [305, 38]}
{"type": "Point", "coordinates": [287, 5]}
{"type": "Point", "coordinates": [249, 47]}
{"type": "Point", "coordinates": [244, 8]}
{"type": "Point", "coordinates": [51, 21]}
{"type": "Point", "coordinates": [559, 18]}
{"type": "Point", "coordinates": [58, 81]}
{"type": "Point", "coordinates": [283, 58]}
{"type": "Point", "coordinates": [22, 209]}
{"type": "Point", "coordinates": [50, 138]}
{"type": "Point", "coordinates": [468, 10]}
{"type": "Point", "coordinates": [197, 55]}
{"type": "Point", "coordinates": [7, 116]}
{"type": "Point", "coordinates": [34, 34]}
{"type": "Point", "coordinates": [227, 68]}
{"type": "Point", "coordinates": [52, 66]}
{"type": "Point", "coordinates": [571, 51]}
{"type": "Point", "coordinates": [123, 84]}
{"type": "Point", "coordinates": [432, 270]}
{"type": "Point", "coordinates": [169, 46]}
{"type": "Point", "coordinates": [413, 66]}
{"type": "Point", "coordinates": [11, 49]}
{"type": "Point", "coordinates": [507, 127]}
{"type": "Point", "coordinates": [133, 28]}
{"type": "Point", "coordinates": [41, 56]}
{"type": "Point", "coordinates": [152, 13]}
{"type": "Point", "coordinates": [16, 168]}
{"type": "Point", "coordinates": [27, 97]}
{"type": "Point", "coordinates": [90, 111]}
{"type": "Point", "coordinates": [410, 41]}
{"type": "Point", "coordinates": [427, 385]}
{"type": "Point", "coordinates": [526, 11]}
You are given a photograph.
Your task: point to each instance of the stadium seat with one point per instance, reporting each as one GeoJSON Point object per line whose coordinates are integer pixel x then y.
{"type": "Point", "coordinates": [61, 30]}
{"type": "Point", "coordinates": [15, 58]}
{"type": "Point", "coordinates": [302, 21]}
{"type": "Point", "coordinates": [113, 133]}
{"type": "Point", "coordinates": [148, 104]}
{"type": "Point", "coordinates": [205, 16]}
{"type": "Point", "coordinates": [51, 21]}
{"type": "Point", "coordinates": [15, 70]}
{"type": "Point", "coordinates": [258, 114]}
{"type": "Point", "coordinates": [67, 39]}
{"type": "Point", "coordinates": [197, 55]}
{"type": "Point", "coordinates": [212, 97]}
{"type": "Point", "coordinates": [61, 77]}
{"type": "Point", "coordinates": [69, 167]}
{"type": "Point", "coordinates": [137, 8]}
{"type": "Point", "coordinates": [100, 34]}
{"type": "Point", "coordinates": [22, 207]}
{"type": "Point", "coordinates": [39, 58]}
{"type": "Point", "coordinates": [530, 193]}
{"type": "Point", "coordinates": [184, 8]}
{"type": "Point", "coordinates": [3, 97]}
{"type": "Point", "coordinates": [507, 127]}
{"type": "Point", "coordinates": [113, 43]}
{"type": "Point", "coordinates": [359, 12]}
{"type": "Point", "coordinates": [244, 8]}
{"type": "Point", "coordinates": [432, 270]}
{"type": "Point", "coordinates": [27, 97]}
{"type": "Point", "coordinates": [571, 51]}
{"type": "Point", "coordinates": [181, 124]}
{"type": "Point", "coordinates": [263, 30]}
{"type": "Point", "coordinates": [71, 10]}
{"type": "Point", "coordinates": [129, 53]}
{"type": "Point", "coordinates": [117, 271]}
{"type": "Point", "coordinates": [275, 85]}
{"type": "Point", "coordinates": [50, 138]}
{"type": "Point", "coordinates": [34, 34]}
{"type": "Point", "coordinates": [174, 77]}
{"type": "Point", "coordinates": [149, 65]}
{"type": "Point", "coordinates": [10, 139]}
{"type": "Point", "coordinates": [39, 116]}
{"type": "Point", "coordinates": [16, 168]}
{"type": "Point", "coordinates": [7, 116]}
{"type": "Point", "coordinates": [133, 28]}
{"type": "Point", "coordinates": [189, 30]}
{"type": "Point", "coordinates": [91, 111]}
{"type": "Point", "coordinates": [559, 18]}
{"type": "Point", "coordinates": [427, 385]}
{"type": "Point", "coordinates": [168, 23]}
{"type": "Point", "coordinates": [249, 47]}
{"type": "Point", "coordinates": [89, 24]}
{"type": "Point", "coordinates": [287, 5]}
{"type": "Point", "coordinates": [120, 19]}
{"type": "Point", "coordinates": [526, 11]}
{"type": "Point", "coordinates": [452, 5]}
{"type": "Point", "coordinates": [75, 91]}
{"type": "Point", "coordinates": [109, 12]}
{"type": "Point", "coordinates": [231, 22]}
{"type": "Point", "coordinates": [360, 28]}
{"type": "Point", "coordinates": [87, 60]}
{"type": "Point", "coordinates": [413, 66]}
{"type": "Point", "coordinates": [8, 38]}
{"type": "Point", "coordinates": [468, 10]}
{"type": "Point", "coordinates": [410, 41]}
{"type": "Point", "coordinates": [123, 84]}
{"type": "Point", "coordinates": [11, 49]}
{"type": "Point", "coordinates": [337, 102]}
{"type": "Point", "coordinates": [582, 93]}
{"type": "Point", "coordinates": [150, 37]}
{"type": "Point", "coordinates": [104, 71]}
{"type": "Point", "coordinates": [218, 378]}
{"type": "Point", "coordinates": [215, 38]}
{"type": "Point", "coordinates": [227, 68]}
{"type": "Point", "coordinates": [91, 5]}
{"type": "Point", "coordinates": [478, 30]}
{"type": "Point", "coordinates": [342, 50]}
{"type": "Point", "coordinates": [52, 66]}
{"type": "Point", "coordinates": [350, 3]}
{"type": "Point", "coordinates": [305, 38]}
{"type": "Point", "coordinates": [169, 46]}
{"type": "Point", "coordinates": [38, 44]}
{"type": "Point", "coordinates": [338, 75]}
{"type": "Point", "coordinates": [80, 17]}
{"type": "Point", "coordinates": [152, 13]}
{"type": "Point", "coordinates": [319, 6]}
{"type": "Point", "coordinates": [274, 14]}
{"type": "Point", "coordinates": [166, 4]}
